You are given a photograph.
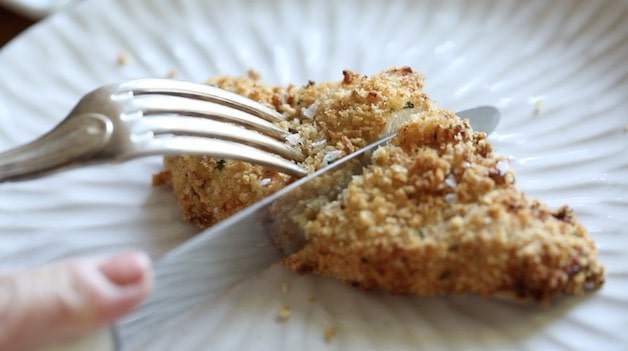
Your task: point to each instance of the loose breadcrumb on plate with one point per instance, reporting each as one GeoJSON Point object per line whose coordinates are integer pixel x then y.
{"type": "Point", "coordinates": [284, 313]}
{"type": "Point", "coordinates": [330, 334]}
{"type": "Point", "coordinates": [124, 58]}
{"type": "Point", "coordinates": [538, 106]}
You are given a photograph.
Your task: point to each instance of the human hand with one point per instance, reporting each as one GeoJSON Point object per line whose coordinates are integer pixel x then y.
{"type": "Point", "coordinates": [70, 298]}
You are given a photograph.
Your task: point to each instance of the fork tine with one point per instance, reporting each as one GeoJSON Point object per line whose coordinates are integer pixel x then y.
{"type": "Point", "coordinates": [202, 92]}
{"type": "Point", "coordinates": [191, 107]}
{"type": "Point", "coordinates": [192, 145]}
{"type": "Point", "coordinates": [100, 127]}
{"type": "Point", "coordinates": [208, 128]}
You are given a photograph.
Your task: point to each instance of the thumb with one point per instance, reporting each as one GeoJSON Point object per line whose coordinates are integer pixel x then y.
{"type": "Point", "coordinates": [70, 298]}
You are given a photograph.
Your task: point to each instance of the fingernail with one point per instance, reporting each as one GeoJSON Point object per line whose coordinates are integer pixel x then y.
{"type": "Point", "coordinates": [131, 275]}
{"type": "Point", "coordinates": [126, 269]}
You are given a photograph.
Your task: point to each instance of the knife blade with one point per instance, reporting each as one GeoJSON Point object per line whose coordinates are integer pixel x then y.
{"type": "Point", "coordinates": [197, 269]}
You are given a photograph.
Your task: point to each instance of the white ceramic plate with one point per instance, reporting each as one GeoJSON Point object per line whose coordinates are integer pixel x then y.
{"type": "Point", "coordinates": [556, 69]}
{"type": "Point", "coordinates": [35, 8]}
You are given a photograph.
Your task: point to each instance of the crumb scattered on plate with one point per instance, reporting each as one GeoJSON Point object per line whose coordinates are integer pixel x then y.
{"type": "Point", "coordinates": [538, 106]}
{"type": "Point", "coordinates": [284, 313]}
{"type": "Point", "coordinates": [330, 334]}
{"type": "Point", "coordinates": [172, 73]}
{"type": "Point", "coordinates": [124, 58]}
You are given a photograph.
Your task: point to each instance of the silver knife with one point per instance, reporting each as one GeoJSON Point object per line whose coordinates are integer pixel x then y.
{"type": "Point", "coordinates": [194, 271]}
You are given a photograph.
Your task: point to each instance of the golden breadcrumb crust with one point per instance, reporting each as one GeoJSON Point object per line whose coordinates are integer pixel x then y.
{"type": "Point", "coordinates": [348, 115]}
{"type": "Point", "coordinates": [437, 212]}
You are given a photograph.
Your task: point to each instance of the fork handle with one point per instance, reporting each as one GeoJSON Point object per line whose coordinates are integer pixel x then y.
{"type": "Point", "coordinates": [70, 143]}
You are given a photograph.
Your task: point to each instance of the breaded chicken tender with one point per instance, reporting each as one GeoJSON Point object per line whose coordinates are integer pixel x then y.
{"type": "Point", "coordinates": [436, 212]}
{"type": "Point", "coordinates": [328, 121]}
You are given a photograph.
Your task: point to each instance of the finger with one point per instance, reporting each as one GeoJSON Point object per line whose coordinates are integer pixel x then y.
{"type": "Point", "coordinates": [69, 298]}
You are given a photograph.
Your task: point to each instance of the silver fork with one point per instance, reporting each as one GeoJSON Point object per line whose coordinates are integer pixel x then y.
{"type": "Point", "coordinates": [120, 122]}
